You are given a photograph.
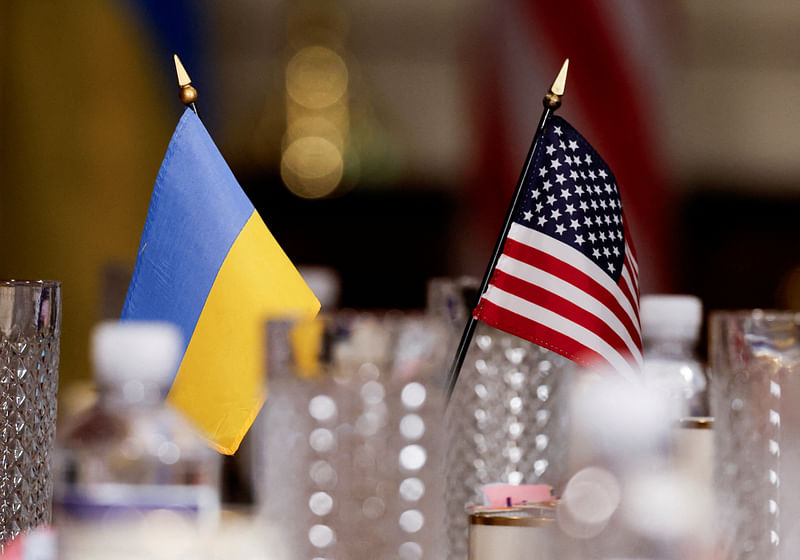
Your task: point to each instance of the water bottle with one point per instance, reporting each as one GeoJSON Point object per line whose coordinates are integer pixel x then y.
{"type": "Point", "coordinates": [134, 480]}
{"type": "Point", "coordinates": [671, 331]}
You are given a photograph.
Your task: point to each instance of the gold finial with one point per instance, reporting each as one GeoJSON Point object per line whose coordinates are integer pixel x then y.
{"type": "Point", "coordinates": [553, 98]}
{"type": "Point", "coordinates": [187, 93]}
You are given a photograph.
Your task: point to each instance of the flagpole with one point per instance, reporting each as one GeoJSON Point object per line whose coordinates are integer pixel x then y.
{"type": "Point", "coordinates": [187, 93]}
{"type": "Point", "coordinates": [551, 102]}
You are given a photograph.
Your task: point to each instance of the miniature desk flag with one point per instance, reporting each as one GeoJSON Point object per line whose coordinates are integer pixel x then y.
{"type": "Point", "coordinates": [567, 278]}
{"type": "Point", "coordinates": [208, 263]}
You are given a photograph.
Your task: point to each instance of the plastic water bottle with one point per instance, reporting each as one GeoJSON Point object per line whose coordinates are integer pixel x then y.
{"type": "Point", "coordinates": [134, 479]}
{"type": "Point", "coordinates": [671, 331]}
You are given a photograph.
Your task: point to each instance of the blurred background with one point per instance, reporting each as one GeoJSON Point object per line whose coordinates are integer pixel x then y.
{"type": "Point", "coordinates": [384, 139]}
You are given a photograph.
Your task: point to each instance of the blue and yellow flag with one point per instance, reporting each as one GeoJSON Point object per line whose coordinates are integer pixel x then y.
{"type": "Point", "coordinates": [208, 264]}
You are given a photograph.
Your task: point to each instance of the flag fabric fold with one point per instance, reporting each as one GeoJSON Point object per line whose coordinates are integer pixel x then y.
{"type": "Point", "coordinates": [208, 263]}
{"type": "Point", "coordinates": [567, 278]}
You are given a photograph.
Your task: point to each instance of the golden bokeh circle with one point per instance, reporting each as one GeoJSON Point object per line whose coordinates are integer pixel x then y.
{"type": "Point", "coordinates": [316, 77]}
{"type": "Point", "coordinates": [312, 166]}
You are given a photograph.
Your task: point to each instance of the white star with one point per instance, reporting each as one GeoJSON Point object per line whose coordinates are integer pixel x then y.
{"type": "Point", "coordinates": [555, 164]}
{"type": "Point", "coordinates": [608, 188]}
{"type": "Point", "coordinates": [535, 193]}
{"type": "Point", "coordinates": [542, 172]}
{"type": "Point", "coordinates": [611, 267]}
{"type": "Point", "coordinates": [528, 215]}
{"type": "Point", "coordinates": [594, 204]}
{"type": "Point", "coordinates": [573, 174]}
{"type": "Point", "coordinates": [606, 252]}
{"type": "Point", "coordinates": [583, 175]}
{"type": "Point", "coordinates": [546, 185]}
{"type": "Point", "coordinates": [598, 220]}
{"type": "Point", "coordinates": [573, 145]}
{"type": "Point", "coordinates": [588, 159]}
{"type": "Point", "coordinates": [551, 200]}
{"type": "Point", "coordinates": [616, 219]}
{"type": "Point", "coordinates": [561, 145]}
{"type": "Point", "coordinates": [560, 229]}
{"type": "Point", "coordinates": [539, 206]}
{"type": "Point", "coordinates": [584, 206]}
{"type": "Point", "coordinates": [603, 203]}
{"type": "Point", "coordinates": [550, 149]}
{"type": "Point", "coordinates": [591, 174]}
{"type": "Point", "coordinates": [570, 209]}
{"type": "Point", "coordinates": [560, 179]}
{"type": "Point", "coordinates": [587, 221]}
{"type": "Point", "coordinates": [542, 220]}
{"type": "Point", "coordinates": [579, 190]}
{"type": "Point", "coordinates": [597, 189]}
{"type": "Point", "coordinates": [607, 220]}
{"type": "Point", "coordinates": [557, 130]}
{"type": "Point", "coordinates": [565, 194]}
{"type": "Point", "coordinates": [574, 224]}
{"type": "Point", "coordinates": [602, 235]}
{"type": "Point", "coordinates": [596, 254]}
{"type": "Point", "coordinates": [602, 173]}
{"type": "Point", "coordinates": [579, 240]}
{"type": "Point", "coordinates": [568, 160]}
{"type": "Point", "coordinates": [592, 238]}
{"type": "Point", "coordinates": [555, 214]}
{"type": "Point", "coordinates": [616, 252]}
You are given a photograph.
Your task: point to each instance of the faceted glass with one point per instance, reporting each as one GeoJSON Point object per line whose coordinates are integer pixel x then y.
{"type": "Point", "coordinates": [350, 447]}
{"type": "Point", "coordinates": [755, 388]}
{"type": "Point", "coordinates": [507, 420]}
{"type": "Point", "coordinates": [30, 327]}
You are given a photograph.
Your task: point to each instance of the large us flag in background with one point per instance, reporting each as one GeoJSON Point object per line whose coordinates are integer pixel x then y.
{"type": "Point", "coordinates": [618, 95]}
{"type": "Point", "coordinates": [568, 278]}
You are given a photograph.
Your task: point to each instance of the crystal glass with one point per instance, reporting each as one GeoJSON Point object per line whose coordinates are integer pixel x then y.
{"type": "Point", "coordinates": [507, 422]}
{"type": "Point", "coordinates": [755, 388]}
{"type": "Point", "coordinates": [30, 327]}
{"type": "Point", "coordinates": [508, 418]}
{"type": "Point", "coordinates": [349, 441]}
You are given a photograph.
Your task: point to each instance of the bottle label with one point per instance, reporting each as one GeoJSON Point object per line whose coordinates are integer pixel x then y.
{"type": "Point", "coordinates": [114, 499]}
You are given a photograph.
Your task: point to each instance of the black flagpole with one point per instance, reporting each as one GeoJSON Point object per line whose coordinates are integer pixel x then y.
{"type": "Point", "coordinates": [187, 93]}
{"type": "Point", "coordinates": [551, 102]}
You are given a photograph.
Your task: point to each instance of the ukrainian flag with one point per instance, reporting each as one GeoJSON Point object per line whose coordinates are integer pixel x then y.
{"type": "Point", "coordinates": [208, 263]}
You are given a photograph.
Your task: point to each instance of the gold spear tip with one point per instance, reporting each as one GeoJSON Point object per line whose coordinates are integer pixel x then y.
{"type": "Point", "coordinates": [561, 80]}
{"type": "Point", "coordinates": [553, 98]}
{"type": "Point", "coordinates": [183, 76]}
{"type": "Point", "coordinates": [187, 93]}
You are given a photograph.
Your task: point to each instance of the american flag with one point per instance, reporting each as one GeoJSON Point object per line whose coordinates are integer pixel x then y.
{"type": "Point", "coordinates": [567, 278]}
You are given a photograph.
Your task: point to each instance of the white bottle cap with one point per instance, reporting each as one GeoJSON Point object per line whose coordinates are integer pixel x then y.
{"type": "Point", "coordinates": [136, 350]}
{"type": "Point", "coordinates": [324, 283]}
{"type": "Point", "coordinates": [671, 316]}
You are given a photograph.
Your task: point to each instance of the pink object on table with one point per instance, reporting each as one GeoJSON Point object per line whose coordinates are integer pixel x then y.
{"type": "Point", "coordinates": [40, 543]}
{"type": "Point", "coordinates": [13, 550]}
{"type": "Point", "coordinates": [498, 494]}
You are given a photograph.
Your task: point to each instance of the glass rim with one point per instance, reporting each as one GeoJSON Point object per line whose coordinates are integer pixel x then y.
{"type": "Point", "coordinates": [30, 283]}
{"type": "Point", "coordinates": [757, 314]}
{"type": "Point", "coordinates": [328, 315]}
